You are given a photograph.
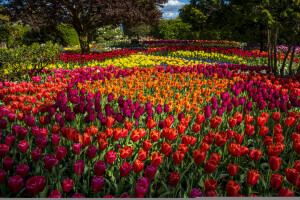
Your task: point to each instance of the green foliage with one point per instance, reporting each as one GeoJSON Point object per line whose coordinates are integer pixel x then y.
{"type": "Point", "coordinates": [69, 34]}
{"type": "Point", "coordinates": [141, 30]}
{"type": "Point", "coordinates": [107, 33]}
{"type": "Point", "coordinates": [173, 29]}
{"type": "Point", "coordinates": [12, 34]}
{"type": "Point", "coordinates": [26, 60]}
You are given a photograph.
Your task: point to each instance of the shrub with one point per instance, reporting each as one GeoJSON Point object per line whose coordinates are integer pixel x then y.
{"type": "Point", "coordinates": [69, 34]}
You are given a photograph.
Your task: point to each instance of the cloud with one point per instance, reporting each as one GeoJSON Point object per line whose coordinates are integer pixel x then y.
{"type": "Point", "coordinates": [170, 9]}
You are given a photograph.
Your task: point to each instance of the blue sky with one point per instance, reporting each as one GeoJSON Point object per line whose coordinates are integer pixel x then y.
{"type": "Point", "coordinates": [170, 9]}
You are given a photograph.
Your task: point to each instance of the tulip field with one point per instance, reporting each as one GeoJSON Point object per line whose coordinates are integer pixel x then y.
{"type": "Point", "coordinates": [177, 119]}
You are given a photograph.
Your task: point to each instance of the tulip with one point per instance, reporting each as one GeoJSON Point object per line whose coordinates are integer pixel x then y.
{"type": "Point", "coordinates": [274, 163]}
{"type": "Point", "coordinates": [275, 116]}
{"type": "Point", "coordinates": [143, 182]}
{"type": "Point", "coordinates": [232, 122]}
{"type": "Point", "coordinates": [140, 191]}
{"type": "Point", "coordinates": [252, 177]}
{"type": "Point", "coordinates": [23, 146]}
{"type": "Point", "coordinates": [199, 156]}
{"type": "Point", "coordinates": [55, 138]}
{"type": "Point", "coordinates": [36, 155]}
{"type": "Point", "coordinates": [8, 163]}
{"type": "Point", "coordinates": [15, 183]}
{"type": "Point", "coordinates": [215, 122]}
{"type": "Point", "coordinates": [3, 150]}
{"type": "Point", "coordinates": [234, 149]}
{"type": "Point", "coordinates": [77, 148]}
{"type": "Point", "coordinates": [174, 178]}
{"type": "Point", "coordinates": [221, 138]}
{"type": "Point", "coordinates": [248, 119]}
{"type": "Point", "coordinates": [297, 165]}
{"type": "Point", "coordinates": [290, 121]}
{"type": "Point", "coordinates": [166, 148]}
{"type": "Point", "coordinates": [97, 183]}
{"type": "Point", "coordinates": [22, 132]}
{"type": "Point", "coordinates": [91, 151]}
{"type": "Point", "coordinates": [128, 125]}
{"type": "Point", "coordinates": [67, 185]}
{"type": "Point", "coordinates": [142, 155]}
{"type": "Point", "coordinates": [79, 195]}
{"type": "Point", "coordinates": [285, 192]}
{"type": "Point", "coordinates": [22, 170]}
{"type": "Point", "coordinates": [232, 188]}
{"type": "Point", "coordinates": [263, 131]}
{"type": "Point", "coordinates": [9, 141]}
{"type": "Point", "coordinates": [195, 193]}
{"type": "Point", "coordinates": [150, 172]}
{"type": "Point", "coordinates": [261, 121]}
{"type": "Point", "coordinates": [35, 185]}
{"type": "Point", "coordinates": [135, 136]}
{"type": "Point", "coordinates": [210, 185]}
{"type": "Point", "coordinates": [210, 166]}
{"type": "Point", "coordinates": [255, 154]}
{"type": "Point", "coordinates": [138, 166]}
{"type": "Point", "coordinates": [211, 193]}
{"type": "Point", "coordinates": [276, 180]}
{"type": "Point", "coordinates": [154, 135]}
{"type": "Point", "coordinates": [42, 142]}
{"type": "Point", "coordinates": [151, 123]}
{"type": "Point", "coordinates": [2, 176]}
{"type": "Point", "coordinates": [55, 194]}
{"type": "Point", "coordinates": [232, 169]}
{"type": "Point", "coordinates": [79, 167]}
{"type": "Point", "coordinates": [249, 129]}
{"type": "Point", "coordinates": [110, 157]}
{"type": "Point", "coordinates": [125, 195]}
{"type": "Point", "coordinates": [125, 169]}
{"type": "Point", "coordinates": [268, 141]}
{"type": "Point", "coordinates": [156, 159]}
{"type": "Point", "coordinates": [196, 128]}
{"type": "Point", "coordinates": [49, 161]}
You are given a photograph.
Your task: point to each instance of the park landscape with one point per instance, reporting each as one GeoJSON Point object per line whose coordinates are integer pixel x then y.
{"type": "Point", "coordinates": [158, 109]}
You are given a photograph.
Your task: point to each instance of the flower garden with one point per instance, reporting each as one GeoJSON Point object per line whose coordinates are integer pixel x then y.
{"type": "Point", "coordinates": [177, 119]}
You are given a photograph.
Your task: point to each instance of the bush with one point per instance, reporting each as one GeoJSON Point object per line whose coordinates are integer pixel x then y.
{"type": "Point", "coordinates": [22, 61]}
{"type": "Point", "coordinates": [69, 34]}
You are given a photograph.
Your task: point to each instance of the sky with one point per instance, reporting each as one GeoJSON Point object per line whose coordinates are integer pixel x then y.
{"type": "Point", "coordinates": [171, 8]}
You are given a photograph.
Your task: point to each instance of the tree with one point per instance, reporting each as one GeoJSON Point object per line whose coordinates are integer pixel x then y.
{"type": "Point", "coordinates": [85, 15]}
{"type": "Point", "coordinates": [141, 30]}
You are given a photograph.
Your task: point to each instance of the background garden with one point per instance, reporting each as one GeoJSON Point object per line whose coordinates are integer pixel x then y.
{"type": "Point", "coordinates": [107, 99]}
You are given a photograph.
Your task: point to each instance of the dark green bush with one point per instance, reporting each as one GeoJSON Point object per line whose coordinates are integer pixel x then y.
{"type": "Point", "coordinates": [69, 34]}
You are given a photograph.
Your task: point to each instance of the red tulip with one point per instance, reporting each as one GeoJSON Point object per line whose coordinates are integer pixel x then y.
{"type": "Point", "coordinates": [109, 121]}
{"type": "Point", "coordinates": [204, 147]}
{"type": "Point", "coordinates": [36, 155]}
{"type": "Point", "coordinates": [238, 138]}
{"type": "Point", "coordinates": [23, 146]}
{"type": "Point", "coordinates": [125, 169]}
{"type": "Point", "coordinates": [174, 178]}
{"type": "Point", "coordinates": [285, 192]}
{"type": "Point", "coordinates": [261, 121]}
{"type": "Point", "coordinates": [91, 151]}
{"type": "Point", "coordinates": [125, 195]}
{"type": "Point", "coordinates": [128, 125]}
{"type": "Point", "coordinates": [275, 116]}
{"type": "Point", "coordinates": [248, 119]}
{"type": "Point", "coordinates": [22, 132]}
{"type": "Point", "coordinates": [211, 193]}
{"type": "Point", "coordinates": [55, 138]}
{"type": "Point", "coordinates": [154, 135]}
{"type": "Point", "coordinates": [279, 138]}
{"type": "Point", "coordinates": [2, 176]}
{"type": "Point", "coordinates": [60, 152]}
{"type": "Point", "coordinates": [215, 122]}
{"type": "Point", "coordinates": [156, 159]}
{"type": "Point", "coordinates": [232, 122]}
{"type": "Point", "coordinates": [221, 138]}
{"type": "Point", "coordinates": [263, 131]}
{"type": "Point", "coordinates": [49, 161]}
{"type": "Point", "coordinates": [9, 141]}
{"type": "Point", "coordinates": [8, 163]}
{"type": "Point", "coordinates": [268, 141]}
{"type": "Point", "coordinates": [234, 149]}
{"type": "Point", "coordinates": [297, 165]}
{"type": "Point", "coordinates": [79, 167]}
{"type": "Point", "coordinates": [110, 157]}
{"type": "Point", "coordinates": [249, 129]}
{"type": "Point", "coordinates": [117, 134]}
{"type": "Point", "coordinates": [79, 195]}
{"type": "Point", "coordinates": [166, 148]}
{"type": "Point", "coordinates": [3, 150]}
{"type": "Point", "coordinates": [97, 183]}
{"type": "Point", "coordinates": [232, 169]}
{"type": "Point", "coordinates": [178, 157]}
{"type": "Point", "coordinates": [274, 163]}
{"type": "Point", "coordinates": [232, 188]}
{"type": "Point", "coordinates": [15, 183]}
{"type": "Point", "coordinates": [181, 128]}
{"type": "Point", "coordinates": [77, 148]}
{"type": "Point", "coordinates": [140, 191]}
{"type": "Point", "coordinates": [210, 185]}
{"type": "Point", "coordinates": [252, 177]}
{"type": "Point", "coordinates": [276, 180]}
{"type": "Point", "coordinates": [210, 166]}
{"type": "Point", "coordinates": [135, 135]}
{"type": "Point", "coordinates": [55, 194]}
{"type": "Point", "coordinates": [147, 145]}
{"type": "Point", "coordinates": [99, 168]}
{"type": "Point", "coordinates": [138, 166]}
{"type": "Point", "coordinates": [142, 155]}
{"type": "Point", "coordinates": [35, 185]}
{"type": "Point", "coordinates": [290, 121]}
{"type": "Point", "coordinates": [67, 185]}
{"type": "Point", "coordinates": [199, 156]}
{"type": "Point", "coordinates": [255, 154]}
{"type": "Point", "coordinates": [22, 170]}
{"type": "Point", "coordinates": [150, 172]}
{"type": "Point", "coordinates": [200, 118]}
{"type": "Point", "coordinates": [55, 129]}
{"type": "Point", "coordinates": [196, 128]}
{"type": "Point", "coordinates": [41, 142]}
{"type": "Point", "coordinates": [151, 123]}
{"type": "Point", "coordinates": [168, 121]}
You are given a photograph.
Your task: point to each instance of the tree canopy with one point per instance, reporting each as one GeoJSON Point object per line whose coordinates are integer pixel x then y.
{"type": "Point", "coordinates": [85, 15]}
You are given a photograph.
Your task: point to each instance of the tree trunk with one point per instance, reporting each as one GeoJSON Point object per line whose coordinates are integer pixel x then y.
{"type": "Point", "coordinates": [275, 51]}
{"type": "Point", "coordinates": [292, 58]}
{"type": "Point", "coordinates": [284, 61]}
{"type": "Point", "coordinates": [84, 42]}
